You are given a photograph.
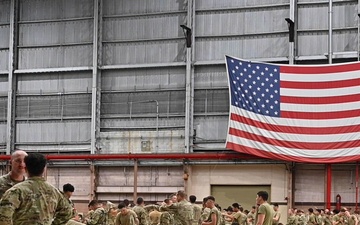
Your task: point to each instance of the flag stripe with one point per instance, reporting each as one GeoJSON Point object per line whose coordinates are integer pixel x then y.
{"type": "Point", "coordinates": [320, 85]}
{"type": "Point", "coordinates": [295, 144]}
{"type": "Point", "coordinates": [320, 92]}
{"type": "Point", "coordinates": [293, 129]}
{"type": "Point", "coordinates": [321, 115]}
{"type": "Point", "coordinates": [325, 69]}
{"type": "Point", "coordinates": [320, 100]}
{"type": "Point", "coordinates": [313, 153]}
{"type": "Point", "coordinates": [274, 155]}
{"type": "Point", "coordinates": [325, 77]}
{"type": "Point", "coordinates": [296, 122]}
{"type": "Point", "coordinates": [320, 107]}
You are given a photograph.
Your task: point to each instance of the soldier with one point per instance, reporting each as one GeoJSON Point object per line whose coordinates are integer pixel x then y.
{"type": "Point", "coordinates": [68, 190]}
{"type": "Point", "coordinates": [166, 218]}
{"type": "Point", "coordinates": [141, 213]}
{"type": "Point", "coordinates": [205, 212]}
{"type": "Point", "coordinates": [251, 216]}
{"type": "Point", "coordinates": [17, 173]}
{"type": "Point", "coordinates": [182, 209]}
{"type": "Point", "coordinates": [98, 217]}
{"type": "Point", "coordinates": [34, 199]}
{"type": "Point", "coordinates": [126, 216]}
{"type": "Point", "coordinates": [112, 211]}
{"type": "Point", "coordinates": [265, 213]}
{"type": "Point", "coordinates": [214, 217]}
{"type": "Point", "coordinates": [196, 209]}
{"type": "Point", "coordinates": [277, 214]}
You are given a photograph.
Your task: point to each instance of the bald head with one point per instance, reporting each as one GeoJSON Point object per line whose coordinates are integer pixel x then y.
{"type": "Point", "coordinates": [18, 164]}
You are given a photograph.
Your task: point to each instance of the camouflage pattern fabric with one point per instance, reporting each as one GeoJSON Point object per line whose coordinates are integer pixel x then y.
{"type": "Point", "coordinates": [6, 183]}
{"type": "Point", "coordinates": [142, 215]}
{"type": "Point", "coordinates": [183, 212]}
{"type": "Point", "coordinates": [98, 217]}
{"type": "Point", "coordinates": [166, 219]}
{"type": "Point", "coordinates": [34, 200]}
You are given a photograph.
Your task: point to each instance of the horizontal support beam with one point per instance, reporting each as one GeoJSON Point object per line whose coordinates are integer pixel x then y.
{"type": "Point", "coordinates": [55, 20]}
{"type": "Point", "coordinates": [137, 66]}
{"type": "Point", "coordinates": [54, 70]}
{"type": "Point", "coordinates": [171, 13]}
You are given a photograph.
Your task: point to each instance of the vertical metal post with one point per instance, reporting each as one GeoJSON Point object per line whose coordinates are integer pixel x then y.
{"type": "Point", "coordinates": [356, 185]}
{"type": "Point", "coordinates": [135, 179]}
{"type": "Point", "coordinates": [328, 185]}
{"type": "Point", "coordinates": [189, 86]}
{"type": "Point", "coordinates": [330, 55]}
{"type": "Point", "coordinates": [96, 77]}
{"type": "Point", "coordinates": [10, 126]}
{"type": "Point", "coordinates": [292, 32]}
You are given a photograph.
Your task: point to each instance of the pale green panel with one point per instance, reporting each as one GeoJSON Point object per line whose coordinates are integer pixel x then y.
{"type": "Point", "coordinates": [245, 195]}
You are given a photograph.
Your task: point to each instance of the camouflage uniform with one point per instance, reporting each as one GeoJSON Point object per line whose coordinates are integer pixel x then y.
{"type": "Point", "coordinates": [154, 217]}
{"type": "Point", "coordinates": [166, 219]}
{"type": "Point", "coordinates": [128, 219]}
{"type": "Point", "coordinates": [183, 212]}
{"type": "Point", "coordinates": [98, 217]}
{"type": "Point", "coordinates": [197, 214]}
{"type": "Point", "coordinates": [73, 222]}
{"type": "Point", "coordinates": [34, 200]}
{"type": "Point", "coordinates": [6, 183]}
{"type": "Point", "coordinates": [143, 217]}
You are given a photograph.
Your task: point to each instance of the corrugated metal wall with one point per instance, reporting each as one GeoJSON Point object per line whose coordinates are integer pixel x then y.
{"type": "Point", "coordinates": [109, 76]}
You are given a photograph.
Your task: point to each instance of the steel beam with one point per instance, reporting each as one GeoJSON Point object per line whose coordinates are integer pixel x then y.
{"type": "Point", "coordinates": [13, 31]}
{"type": "Point", "coordinates": [96, 76]}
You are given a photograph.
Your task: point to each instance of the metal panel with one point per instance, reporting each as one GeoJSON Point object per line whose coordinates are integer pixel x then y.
{"type": "Point", "coordinates": [209, 4]}
{"type": "Point", "coordinates": [70, 82]}
{"type": "Point", "coordinates": [3, 109]}
{"type": "Point", "coordinates": [123, 142]}
{"type": "Point", "coordinates": [4, 36]}
{"type": "Point", "coordinates": [313, 28]}
{"type": "Point", "coordinates": [144, 52]}
{"type": "Point", "coordinates": [5, 12]}
{"type": "Point", "coordinates": [211, 101]}
{"type": "Point", "coordinates": [53, 107]}
{"type": "Point", "coordinates": [52, 131]}
{"type": "Point", "coordinates": [143, 79]}
{"type": "Point", "coordinates": [116, 7]}
{"type": "Point", "coordinates": [2, 133]}
{"type": "Point", "coordinates": [211, 77]}
{"type": "Point", "coordinates": [211, 128]}
{"type": "Point", "coordinates": [263, 46]}
{"type": "Point", "coordinates": [55, 57]}
{"type": "Point", "coordinates": [140, 103]}
{"type": "Point", "coordinates": [121, 124]}
{"type": "Point", "coordinates": [55, 9]}
{"type": "Point", "coordinates": [144, 27]}
{"type": "Point", "coordinates": [4, 59]}
{"type": "Point", "coordinates": [68, 32]}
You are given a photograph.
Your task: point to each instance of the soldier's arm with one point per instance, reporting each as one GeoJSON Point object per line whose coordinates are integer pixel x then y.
{"type": "Point", "coordinates": [94, 218]}
{"type": "Point", "coordinates": [64, 211]}
{"type": "Point", "coordinates": [8, 204]}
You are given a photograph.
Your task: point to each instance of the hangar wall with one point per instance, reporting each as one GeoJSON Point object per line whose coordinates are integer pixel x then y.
{"type": "Point", "coordinates": [116, 77]}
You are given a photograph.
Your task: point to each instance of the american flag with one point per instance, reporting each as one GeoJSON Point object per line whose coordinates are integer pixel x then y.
{"type": "Point", "coordinates": [294, 112]}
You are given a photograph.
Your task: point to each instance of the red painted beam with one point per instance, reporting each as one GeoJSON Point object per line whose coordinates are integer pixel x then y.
{"type": "Point", "coordinates": [179, 156]}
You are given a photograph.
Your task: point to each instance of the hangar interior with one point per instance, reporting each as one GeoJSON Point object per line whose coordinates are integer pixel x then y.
{"type": "Point", "coordinates": [120, 77]}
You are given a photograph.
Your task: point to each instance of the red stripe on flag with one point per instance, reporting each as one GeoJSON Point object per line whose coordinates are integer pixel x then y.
{"type": "Point", "coordinates": [295, 144]}
{"type": "Point", "coordinates": [320, 85]}
{"type": "Point", "coordinates": [320, 115]}
{"type": "Point", "coordinates": [320, 100]}
{"type": "Point", "coordinates": [270, 155]}
{"type": "Point", "coordinates": [293, 129]}
{"type": "Point", "coordinates": [320, 69]}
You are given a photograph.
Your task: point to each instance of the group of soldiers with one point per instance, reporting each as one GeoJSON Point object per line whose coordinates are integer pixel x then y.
{"type": "Point", "coordinates": [323, 217]}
